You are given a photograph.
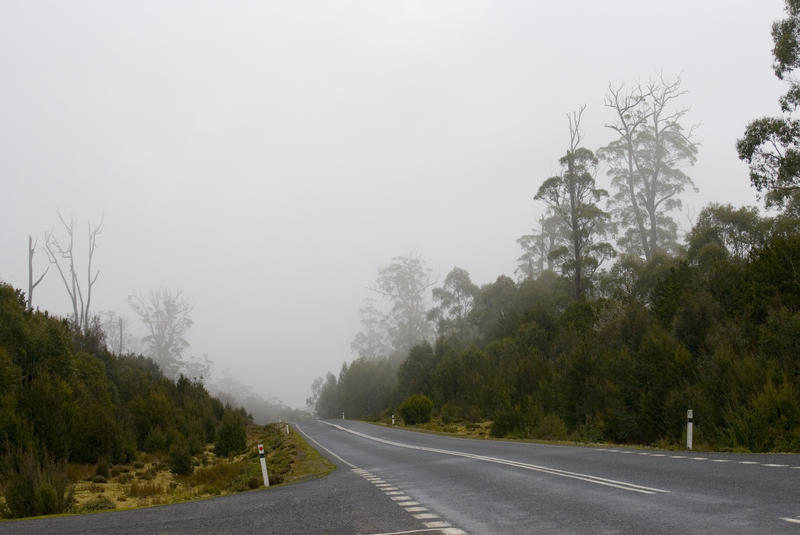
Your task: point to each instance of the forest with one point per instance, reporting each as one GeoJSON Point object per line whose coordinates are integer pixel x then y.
{"type": "Point", "coordinates": [65, 398]}
{"type": "Point", "coordinates": [614, 342]}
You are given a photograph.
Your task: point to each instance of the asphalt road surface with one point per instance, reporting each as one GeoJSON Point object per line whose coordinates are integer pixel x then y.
{"type": "Point", "coordinates": [392, 481]}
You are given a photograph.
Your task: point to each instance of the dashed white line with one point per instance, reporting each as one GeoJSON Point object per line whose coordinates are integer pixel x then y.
{"type": "Point", "coordinates": [418, 509]}
{"type": "Point", "coordinates": [775, 465]}
{"type": "Point", "coordinates": [425, 516]}
{"type": "Point", "coordinates": [623, 485]}
{"type": "Point", "coordinates": [792, 520]}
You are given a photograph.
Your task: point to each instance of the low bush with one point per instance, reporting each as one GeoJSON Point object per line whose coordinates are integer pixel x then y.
{"type": "Point", "coordinates": [33, 488]}
{"type": "Point", "coordinates": [416, 409]}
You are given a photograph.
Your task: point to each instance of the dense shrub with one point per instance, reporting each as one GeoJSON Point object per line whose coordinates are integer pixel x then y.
{"type": "Point", "coordinates": [33, 488]}
{"type": "Point", "coordinates": [416, 409]}
{"type": "Point", "coordinates": [231, 436]}
{"type": "Point", "coordinates": [180, 461]}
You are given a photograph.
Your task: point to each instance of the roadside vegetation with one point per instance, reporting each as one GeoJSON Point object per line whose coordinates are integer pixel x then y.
{"type": "Point", "coordinates": [616, 324]}
{"type": "Point", "coordinates": [83, 430]}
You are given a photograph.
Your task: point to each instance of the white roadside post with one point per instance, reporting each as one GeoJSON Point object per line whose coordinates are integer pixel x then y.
{"type": "Point", "coordinates": [689, 423]}
{"type": "Point", "coordinates": [287, 429]}
{"type": "Point", "coordinates": [392, 419]}
{"type": "Point", "coordinates": [263, 465]}
{"type": "Point", "coordinates": [342, 415]}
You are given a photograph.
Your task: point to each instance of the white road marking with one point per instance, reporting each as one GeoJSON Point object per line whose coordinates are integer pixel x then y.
{"type": "Point", "coordinates": [699, 458]}
{"type": "Point", "coordinates": [397, 496]}
{"type": "Point", "coordinates": [720, 460]}
{"type": "Point", "coordinates": [792, 520]}
{"type": "Point", "coordinates": [623, 485]}
{"type": "Point", "coordinates": [748, 462]}
{"type": "Point", "coordinates": [677, 456]}
{"type": "Point", "coordinates": [351, 465]}
{"type": "Point", "coordinates": [775, 465]}
{"type": "Point", "coordinates": [407, 504]}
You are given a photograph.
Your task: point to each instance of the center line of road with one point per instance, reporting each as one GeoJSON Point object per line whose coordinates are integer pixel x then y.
{"type": "Point", "coordinates": [623, 485]}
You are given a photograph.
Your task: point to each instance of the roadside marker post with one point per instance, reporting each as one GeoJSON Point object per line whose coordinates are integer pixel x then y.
{"type": "Point", "coordinates": [287, 429]}
{"type": "Point", "coordinates": [263, 465]}
{"type": "Point", "coordinates": [689, 424]}
{"type": "Point", "coordinates": [392, 419]}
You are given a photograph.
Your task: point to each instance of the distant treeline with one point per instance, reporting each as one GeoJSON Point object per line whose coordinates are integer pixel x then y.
{"type": "Point", "coordinates": [64, 396]}
{"type": "Point", "coordinates": [716, 330]}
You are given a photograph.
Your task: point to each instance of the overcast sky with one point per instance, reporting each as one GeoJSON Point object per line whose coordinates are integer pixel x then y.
{"type": "Point", "coordinates": [268, 157]}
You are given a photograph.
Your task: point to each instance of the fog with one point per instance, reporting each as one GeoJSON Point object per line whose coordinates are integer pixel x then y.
{"type": "Point", "coordinates": [268, 157]}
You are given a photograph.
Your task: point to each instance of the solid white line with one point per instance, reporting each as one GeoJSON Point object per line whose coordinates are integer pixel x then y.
{"type": "Point", "coordinates": [411, 531]}
{"type": "Point", "coordinates": [623, 485]}
{"type": "Point", "coordinates": [351, 465]}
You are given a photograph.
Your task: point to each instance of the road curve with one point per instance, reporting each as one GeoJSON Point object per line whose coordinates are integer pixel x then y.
{"type": "Point", "coordinates": [484, 487]}
{"type": "Point", "coordinates": [393, 481]}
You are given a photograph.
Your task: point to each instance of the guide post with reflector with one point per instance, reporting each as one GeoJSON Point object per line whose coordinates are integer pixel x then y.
{"type": "Point", "coordinates": [689, 425]}
{"type": "Point", "coordinates": [263, 464]}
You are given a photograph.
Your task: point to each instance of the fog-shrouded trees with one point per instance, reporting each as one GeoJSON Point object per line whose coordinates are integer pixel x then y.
{"type": "Point", "coordinates": [61, 253]}
{"type": "Point", "coordinates": [454, 301]}
{"type": "Point", "coordinates": [536, 247]}
{"type": "Point", "coordinates": [167, 316]}
{"type": "Point", "coordinates": [573, 197]}
{"type": "Point", "coordinates": [771, 145]}
{"type": "Point", "coordinates": [403, 284]}
{"type": "Point", "coordinates": [645, 163]}
{"type": "Point", "coordinates": [32, 284]}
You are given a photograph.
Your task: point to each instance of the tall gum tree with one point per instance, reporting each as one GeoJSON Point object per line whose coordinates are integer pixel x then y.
{"type": "Point", "coordinates": [573, 196]}
{"type": "Point", "coordinates": [646, 163]}
{"type": "Point", "coordinates": [771, 145]}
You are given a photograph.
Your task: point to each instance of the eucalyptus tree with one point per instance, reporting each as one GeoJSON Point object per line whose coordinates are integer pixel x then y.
{"type": "Point", "coordinates": [771, 145]}
{"type": "Point", "coordinates": [167, 316]}
{"type": "Point", "coordinates": [61, 253]}
{"type": "Point", "coordinates": [573, 197]}
{"type": "Point", "coordinates": [645, 163]}
{"type": "Point", "coordinates": [537, 245]}
{"type": "Point", "coordinates": [454, 301]}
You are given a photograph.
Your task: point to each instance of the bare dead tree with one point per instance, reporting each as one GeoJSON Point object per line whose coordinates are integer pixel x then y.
{"type": "Point", "coordinates": [62, 255]}
{"type": "Point", "coordinates": [31, 283]}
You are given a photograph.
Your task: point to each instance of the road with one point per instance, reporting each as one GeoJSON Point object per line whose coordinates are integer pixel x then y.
{"type": "Point", "coordinates": [394, 481]}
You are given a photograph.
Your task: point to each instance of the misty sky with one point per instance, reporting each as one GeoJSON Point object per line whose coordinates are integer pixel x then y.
{"type": "Point", "coordinates": [268, 157]}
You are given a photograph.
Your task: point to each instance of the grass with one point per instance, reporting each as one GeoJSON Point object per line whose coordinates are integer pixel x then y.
{"type": "Point", "coordinates": [148, 481]}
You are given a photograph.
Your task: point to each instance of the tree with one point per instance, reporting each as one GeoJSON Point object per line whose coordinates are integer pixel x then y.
{"type": "Point", "coordinates": [537, 246]}
{"type": "Point", "coordinates": [573, 197]}
{"type": "Point", "coordinates": [166, 314]}
{"type": "Point", "coordinates": [31, 283]}
{"type": "Point", "coordinates": [404, 284]}
{"type": "Point", "coordinates": [734, 231]}
{"type": "Point", "coordinates": [62, 252]}
{"type": "Point", "coordinates": [645, 163]}
{"type": "Point", "coordinates": [231, 436]}
{"type": "Point", "coordinates": [771, 145]}
{"type": "Point", "coordinates": [454, 303]}
{"type": "Point", "coordinates": [372, 341]}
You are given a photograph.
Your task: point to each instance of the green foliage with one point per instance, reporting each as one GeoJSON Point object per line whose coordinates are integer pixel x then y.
{"type": "Point", "coordinates": [416, 409]}
{"type": "Point", "coordinates": [771, 145]}
{"type": "Point", "coordinates": [35, 488]}
{"type": "Point", "coordinates": [231, 436]}
{"type": "Point", "coordinates": [180, 460]}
